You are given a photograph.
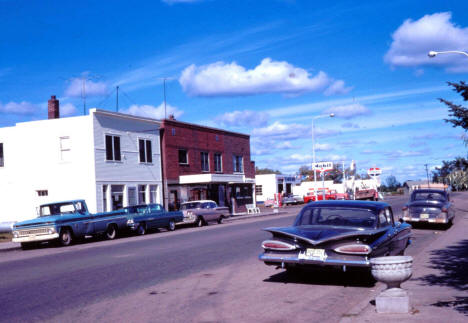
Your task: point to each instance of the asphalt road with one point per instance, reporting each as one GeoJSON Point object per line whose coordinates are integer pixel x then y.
{"type": "Point", "coordinates": [192, 274]}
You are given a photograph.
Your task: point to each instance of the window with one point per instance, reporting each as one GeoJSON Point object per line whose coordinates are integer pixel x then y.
{"type": "Point", "coordinates": [1, 154]}
{"type": "Point", "coordinates": [146, 155]}
{"type": "Point", "coordinates": [205, 161]}
{"type": "Point", "coordinates": [173, 131]}
{"type": "Point", "coordinates": [65, 148]}
{"type": "Point", "coordinates": [113, 148]}
{"type": "Point", "coordinates": [238, 167]}
{"type": "Point", "coordinates": [218, 163]}
{"type": "Point", "coordinates": [258, 190]}
{"type": "Point", "coordinates": [217, 138]}
{"type": "Point", "coordinates": [132, 199]}
{"type": "Point", "coordinates": [104, 198]}
{"type": "Point", "coordinates": [153, 193]}
{"type": "Point", "coordinates": [183, 157]}
{"type": "Point", "coordinates": [142, 194]}
{"type": "Point", "coordinates": [42, 192]}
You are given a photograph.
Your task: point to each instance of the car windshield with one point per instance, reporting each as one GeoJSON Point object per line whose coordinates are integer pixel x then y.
{"type": "Point", "coordinates": [338, 216]}
{"type": "Point", "coordinates": [186, 206]}
{"type": "Point", "coordinates": [428, 196]}
{"type": "Point", "coordinates": [57, 209]}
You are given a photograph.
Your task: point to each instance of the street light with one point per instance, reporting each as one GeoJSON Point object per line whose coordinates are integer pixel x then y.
{"type": "Point", "coordinates": [331, 115]}
{"type": "Point", "coordinates": [434, 53]}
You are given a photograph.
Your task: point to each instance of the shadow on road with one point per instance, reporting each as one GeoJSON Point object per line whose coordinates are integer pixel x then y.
{"type": "Point", "coordinates": [430, 226]}
{"type": "Point", "coordinates": [351, 278]}
{"type": "Point", "coordinates": [452, 264]}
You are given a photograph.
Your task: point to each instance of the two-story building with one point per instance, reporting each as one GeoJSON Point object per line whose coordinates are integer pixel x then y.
{"type": "Point", "coordinates": [109, 159]}
{"type": "Point", "coordinates": [206, 163]}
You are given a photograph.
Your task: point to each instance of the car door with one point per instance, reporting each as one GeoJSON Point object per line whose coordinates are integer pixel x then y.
{"type": "Point", "coordinates": [385, 247]}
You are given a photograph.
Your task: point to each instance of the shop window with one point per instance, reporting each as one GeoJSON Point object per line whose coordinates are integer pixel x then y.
{"type": "Point", "coordinates": [183, 157]}
{"type": "Point", "coordinates": [142, 194]}
{"type": "Point", "coordinates": [146, 155]}
{"type": "Point", "coordinates": [113, 148]}
{"type": "Point", "coordinates": [153, 193]}
{"type": "Point", "coordinates": [132, 197]}
{"type": "Point", "coordinates": [104, 198]}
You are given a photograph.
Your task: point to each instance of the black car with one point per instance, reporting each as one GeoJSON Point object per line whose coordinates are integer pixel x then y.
{"type": "Point", "coordinates": [429, 205]}
{"type": "Point", "coordinates": [337, 233]}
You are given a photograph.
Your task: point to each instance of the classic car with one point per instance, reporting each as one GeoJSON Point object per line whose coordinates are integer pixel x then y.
{"type": "Point", "coordinates": [310, 197]}
{"type": "Point", "coordinates": [65, 221]}
{"type": "Point", "coordinates": [338, 234]}
{"type": "Point", "coordinates": [202, 212]}
{"type": "Point", "coordinates": [429, 205]}
{"type": "Point", "coordinates": [142, 218]}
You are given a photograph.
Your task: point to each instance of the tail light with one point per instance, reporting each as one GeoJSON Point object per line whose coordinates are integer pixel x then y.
{"type": "Point", "coordinates": [444, 210]}
{"type": "Point", "coordinates": [354, 249]}
{"type": "Point", "coordinates": [277, 245]}
{"type": "Point", "coordinates": [405, 208]}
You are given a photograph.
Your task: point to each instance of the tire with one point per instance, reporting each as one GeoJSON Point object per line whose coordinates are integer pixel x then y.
{"type": "Point", "coordinates": [171, 225]}
{"type": "Point", "coordinates": [221, 219]}
{"type": "Point", "coordinates": [199, 222]}
{"type": "Point", "coordinates": [65, 237]}
{"type": "Point", "coordinates": [111, 232]}
{"type": "Point", "coordinates": [28, 245]}
{"type": "Point", "coordinates": [141, 230]}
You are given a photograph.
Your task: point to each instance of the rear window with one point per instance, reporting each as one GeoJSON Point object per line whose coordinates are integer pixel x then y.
{"type": "Point", "coordinates": [338, 216]}
{"type": "Point", "coordinates": [425, 196]}
{"type": "Point", "coordinates": [187, 206]}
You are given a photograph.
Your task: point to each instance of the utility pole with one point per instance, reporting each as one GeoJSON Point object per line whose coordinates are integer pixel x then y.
{"type": "Point", "coordinates": [117, 99]}
{"type": "Point", "coordinates": [427, 175]}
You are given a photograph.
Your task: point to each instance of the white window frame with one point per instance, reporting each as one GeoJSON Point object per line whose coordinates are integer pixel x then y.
{"type": "Point", "coordinates": [145, 151]}
{"type": "Point", "coordinates": [186, 156]}
{"type": "Point", "coordinates": [235, 164]}
{"type": "Point", "coordinates": [113, 136]}
{"type": "Point", "coordinates": [206, 162]}
{"type": "Point", "coordinates": [220, 170]}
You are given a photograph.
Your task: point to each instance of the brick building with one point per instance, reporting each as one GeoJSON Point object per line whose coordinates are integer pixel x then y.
{"type": "Point", "coordinates": [206, 163]}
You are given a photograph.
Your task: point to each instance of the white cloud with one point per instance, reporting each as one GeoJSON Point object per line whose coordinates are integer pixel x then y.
{"type": "Point", "coordinates": [414, 39]}
{"type": "Point", "coordinates": [348, 111]}
{"type": "Point", "coordinates": [68, 109]}
{"type": "Point", "coordinates": [150, 111]}
{"type": "Point", "coordinates": [323, 147]}
{"type": "Point", "coordinates": [282, 131]}
{"type": "Point", "coordinates": [75, 89]}
{"type": "Point", "coordinates": [221, 79]}
{"type": "Point", "coordinates": [350, 125]}
{"type": "Point", "coordinates": [19, 108]}
{"type": "Point", "coordinates": [337, 87]}
{"type": "Point", "coordinates": [244, 118]}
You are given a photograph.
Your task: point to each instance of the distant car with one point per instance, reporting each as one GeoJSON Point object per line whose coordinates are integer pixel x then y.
{"type": "Point", "coordinates": [142, 218]}
{"type": "Point", "coordinates": [202, 212]}
{"type": "Point", "coordinates": [292, 199]}
{"type": "Point", "coordinates": [310, 197]}
{"type": "Point", "coordinates": [429, 205]}
{"type": "Point", "coordinates": [269, 203]}
{"type": "Point", "coordinates": [338, 234]}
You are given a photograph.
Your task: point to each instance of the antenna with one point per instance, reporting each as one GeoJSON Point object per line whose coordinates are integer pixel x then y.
{"type": "Point", "coordinates": [117, 99]}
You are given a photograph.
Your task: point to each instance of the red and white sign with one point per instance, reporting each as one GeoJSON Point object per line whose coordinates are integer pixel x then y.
{"type": "Point", "coordinates": [323, 166]}
{"type": "Point", "coordinates": [374, 171]}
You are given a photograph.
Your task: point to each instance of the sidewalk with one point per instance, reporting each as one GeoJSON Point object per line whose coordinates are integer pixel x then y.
{"type": "Point", "coordinates": [437, 289]}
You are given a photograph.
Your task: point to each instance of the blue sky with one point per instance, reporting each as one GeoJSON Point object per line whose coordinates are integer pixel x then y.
{"type": "Point", "coordinates": [263, 67]}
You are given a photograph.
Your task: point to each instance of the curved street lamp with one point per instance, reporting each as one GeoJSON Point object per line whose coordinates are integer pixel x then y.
{"type": "Point", "coordinates": [331, 115]}
{"type": "Point", "coordinates": [433, 53]}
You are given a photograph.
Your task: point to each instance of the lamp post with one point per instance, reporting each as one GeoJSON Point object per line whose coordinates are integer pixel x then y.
{"type": "Point", "coordinates": [331, 115]}
{"type": "Point", "coordinates": [433, 53]}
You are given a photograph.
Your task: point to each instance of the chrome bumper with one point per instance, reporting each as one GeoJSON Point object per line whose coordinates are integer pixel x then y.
{"type": "Point", "coordinates": [326, 262]}
{"type": "Point", "coordinates": [34, 238]}
{"type": "Point", "coordinates": [429, 220]}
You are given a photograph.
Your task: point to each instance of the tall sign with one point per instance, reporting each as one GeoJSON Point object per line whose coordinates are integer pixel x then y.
{"type": "Point", "coordinates": [322, 166]}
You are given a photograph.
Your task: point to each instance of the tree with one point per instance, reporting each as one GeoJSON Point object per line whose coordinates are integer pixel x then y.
{"type": "Point", "coordinates": [391, 184]}
{"type": "Point", "coordinates": [261, 171]}
{"type": "Point", "coordinates": [457, 113]}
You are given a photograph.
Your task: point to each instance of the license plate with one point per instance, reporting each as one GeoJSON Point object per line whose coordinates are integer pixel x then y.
{"type": "Point", "coordinates": [313, 254]}
{"type": "Point", "coordinates": [424, 216]}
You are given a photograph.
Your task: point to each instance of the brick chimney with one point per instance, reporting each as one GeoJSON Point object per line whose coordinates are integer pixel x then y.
{"type": "Point", "coordinates": [53, 108]}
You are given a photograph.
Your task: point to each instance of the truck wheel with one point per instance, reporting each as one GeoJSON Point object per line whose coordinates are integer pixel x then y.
{"type": "Point", "coordinates": [141, 230]}
{"type": "Point", "coordinates": [171, 225]}
{"type": "Point", "coordinates": [111, 232]}
{"type": "Point", "coordinates": [199, 222]}
{"type": "Point", "coordinates": [65, 237]}
{"type": "Point", "coordinates": [221, 219]}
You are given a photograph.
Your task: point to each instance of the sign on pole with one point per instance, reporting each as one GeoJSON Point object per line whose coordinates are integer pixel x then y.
{"type": "Point", "coordinates": [322, 166]}
{"type": "Point", "coordinates": [374, 171]}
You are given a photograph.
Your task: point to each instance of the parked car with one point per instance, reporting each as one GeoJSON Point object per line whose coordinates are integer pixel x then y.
{"type": "Point", "coordinates": [429, 205]}
{"type": "Point", "coordinates": [292, 199]}
{"type": "Point", "coordinates": [337, 233]}
{"type": "Point", "coordinates": [366, 194]}
{"type": "Point", "coordinates": [142, 218]}
{"type": "Point", "coordinates": [65, 221]}
{"type": "Point", "coordinates": [310, 197]}
{"type": "Point", "coordinates": [202, 212]}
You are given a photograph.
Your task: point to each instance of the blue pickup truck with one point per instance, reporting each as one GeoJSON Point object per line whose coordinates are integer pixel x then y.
{"type": "Point", "coordinates": [65, 221]}
{"type": "Point", "coordinates": [142, 218]}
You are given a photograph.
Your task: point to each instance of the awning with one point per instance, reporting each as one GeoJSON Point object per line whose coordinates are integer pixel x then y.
{"type": "Point", "coordinates": [215, 178]}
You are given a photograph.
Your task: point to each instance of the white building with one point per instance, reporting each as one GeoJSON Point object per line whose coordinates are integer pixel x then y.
{"type": "Point", "coordinates": [267, 185]}
{"type": "Point", "coordinates": [109, 159]}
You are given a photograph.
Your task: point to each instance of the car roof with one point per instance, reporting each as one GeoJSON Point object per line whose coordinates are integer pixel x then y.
{"type": "Point", "coordinates": [199, 201]}
{"type": "Point", "coordinates": [350, 203]}
{"type": "Point", "coordinates": [429, 190]}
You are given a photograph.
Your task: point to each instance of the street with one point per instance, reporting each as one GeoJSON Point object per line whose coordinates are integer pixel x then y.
{"type": "Point", "coordinates": [208, 274]}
